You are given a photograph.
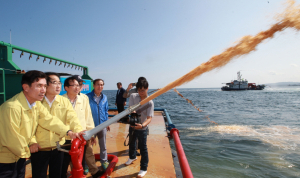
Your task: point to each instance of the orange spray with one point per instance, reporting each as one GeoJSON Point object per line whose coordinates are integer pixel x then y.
{"type": "Point", "coordinates": [290, 18]}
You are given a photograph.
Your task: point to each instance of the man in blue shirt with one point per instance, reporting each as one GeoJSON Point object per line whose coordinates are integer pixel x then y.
{"type": "Point", "coordinates": [99, 107]}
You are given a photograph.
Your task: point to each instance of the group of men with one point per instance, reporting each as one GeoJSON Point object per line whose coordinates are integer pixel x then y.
{"type": "Point", "coordinates": [33, 121]}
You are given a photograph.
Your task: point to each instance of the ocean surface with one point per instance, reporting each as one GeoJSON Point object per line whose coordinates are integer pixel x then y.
{"type": "Point", "coordinates": [257, 132]}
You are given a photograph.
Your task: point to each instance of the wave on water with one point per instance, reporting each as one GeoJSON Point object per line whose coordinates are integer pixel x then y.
{"type": "Point", "coordinates": [283, 137]}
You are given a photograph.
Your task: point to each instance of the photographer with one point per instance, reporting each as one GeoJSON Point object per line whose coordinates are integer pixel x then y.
{"type": "Point", "coordinates": [140, 130]}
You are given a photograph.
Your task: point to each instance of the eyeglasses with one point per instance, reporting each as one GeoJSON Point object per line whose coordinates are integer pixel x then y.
{"type": "Point", "coordinates": [55, 83]}
{"type": "Point", "coordinates": [75, 86]}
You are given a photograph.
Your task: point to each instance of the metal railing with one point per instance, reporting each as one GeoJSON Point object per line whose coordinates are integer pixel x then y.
{"type": "Point", "coordinates": [50, 58]}
{"type": "Point", "coordinates": [184, 164]}
{"type": "Point", "coordinates": [174, 133]}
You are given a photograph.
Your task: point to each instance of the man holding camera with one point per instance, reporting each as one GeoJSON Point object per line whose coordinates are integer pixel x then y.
{"type": "Point", "coordinates": [140, 130]}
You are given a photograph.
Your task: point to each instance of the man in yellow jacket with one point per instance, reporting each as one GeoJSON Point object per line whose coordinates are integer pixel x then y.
{"type": "Point", "coordinates": [19, 118]}
{"type": "Point", "coordinates": [88, 149]}
{"type": "Point", "coordinates": [82, 107]}
{"type": "Point", "coordinates": [45, 140]}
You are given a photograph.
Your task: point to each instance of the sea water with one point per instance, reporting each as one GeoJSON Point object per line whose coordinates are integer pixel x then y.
{"type": "Point", "coordinates": [258, 132]}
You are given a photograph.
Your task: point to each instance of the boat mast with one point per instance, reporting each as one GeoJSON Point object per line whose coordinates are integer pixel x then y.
{"type": "Point", "coordinates": [239, 79]}
{"type": "Point", "coordinates": [239, 76]}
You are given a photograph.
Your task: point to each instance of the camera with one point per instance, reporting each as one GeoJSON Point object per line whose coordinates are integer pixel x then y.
{"type": "Point", "coordinates": [133, 84]}
{"type": "Point", "coordinates": [134, 118]}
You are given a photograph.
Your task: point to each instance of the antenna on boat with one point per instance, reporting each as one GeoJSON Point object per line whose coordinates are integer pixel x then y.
{"type": "Point", "coordinates": [238, 76]}
{"type": "Point", "coordinates": [10, 35]}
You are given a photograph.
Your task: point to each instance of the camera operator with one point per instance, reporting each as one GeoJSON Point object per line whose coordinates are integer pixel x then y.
{"type": "Point", "coordinates": [127, 94]}
{"type": "Point", "coordinates": [140, 130]}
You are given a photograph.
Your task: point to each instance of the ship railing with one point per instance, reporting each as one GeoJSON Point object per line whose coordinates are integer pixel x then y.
{"type": "Point", "coordinates": [174, 133]}
{"type": "Point", "coordinates": [11, 49]}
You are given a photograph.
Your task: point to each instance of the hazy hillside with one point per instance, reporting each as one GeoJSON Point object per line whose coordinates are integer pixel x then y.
{"type": "Point", "coordinates": [283, 84]}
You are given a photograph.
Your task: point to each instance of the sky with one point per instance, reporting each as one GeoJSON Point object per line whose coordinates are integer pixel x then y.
{"type": "Point", "coordinates": [162, 40]}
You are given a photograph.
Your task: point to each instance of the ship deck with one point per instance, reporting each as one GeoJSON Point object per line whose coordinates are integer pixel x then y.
{"type": "Point", "coordinates": [160, 154]}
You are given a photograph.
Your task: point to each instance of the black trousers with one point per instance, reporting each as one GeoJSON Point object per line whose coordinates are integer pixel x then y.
{"type": "Point", "coordinates": [141, 136]}
{"type": "Point", "coordinates": [66, 160]}
{"type": "Point", "coordinates": [83, 158]}
{"type": "Point", "coordinates": [13, 170]}
{"type": "Point", "coordinates": [120, 109]}
{"type": "Point", "coordinates": [40, 161]}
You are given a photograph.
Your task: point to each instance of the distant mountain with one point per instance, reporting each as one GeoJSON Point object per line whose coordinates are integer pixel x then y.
{"type": "Point", "coordinates": [284, 84]}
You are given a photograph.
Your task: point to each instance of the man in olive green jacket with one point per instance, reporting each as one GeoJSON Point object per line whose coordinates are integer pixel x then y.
{"type": "Point", "coordinates": [19, 118]}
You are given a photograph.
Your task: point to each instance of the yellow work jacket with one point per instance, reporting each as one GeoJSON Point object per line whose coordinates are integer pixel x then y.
{"type": "Point", "coordinates": [85, 96]}
{"type": "Point", "coordinates": [83, 110]}
{"type": "Point", "coordinates": [18, 125]}
{"type": "Point", "coordinates": [61, 108]}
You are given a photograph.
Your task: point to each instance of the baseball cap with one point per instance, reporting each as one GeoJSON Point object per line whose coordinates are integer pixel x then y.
{"type": "Point", "coordinates": [78, 78]}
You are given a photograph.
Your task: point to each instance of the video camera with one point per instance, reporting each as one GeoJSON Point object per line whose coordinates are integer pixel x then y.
{"type": "Point", "coordinates": [134, 118]}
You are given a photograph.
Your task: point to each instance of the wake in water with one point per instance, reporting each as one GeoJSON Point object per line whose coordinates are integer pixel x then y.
{"type": "Point", "coordinates": [290, 18]}
{"type": "Point", "coordinates": [283, 137]}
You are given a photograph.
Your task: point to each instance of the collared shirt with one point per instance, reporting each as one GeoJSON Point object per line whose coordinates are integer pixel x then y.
{"type": "Point", "coordinates": [50, 103]}
{"type": "Point", "coordinates": [18, 125]}
{"type": "Point", "coordinates": [97, 98]}
{"type": "Point", "coordinates": [74, 102]}
{"type": "Point", "coordinates": [30, 105]}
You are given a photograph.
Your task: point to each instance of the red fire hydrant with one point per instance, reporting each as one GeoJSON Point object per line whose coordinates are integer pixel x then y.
{"type": "Point", "coordinates": [76, 152]}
